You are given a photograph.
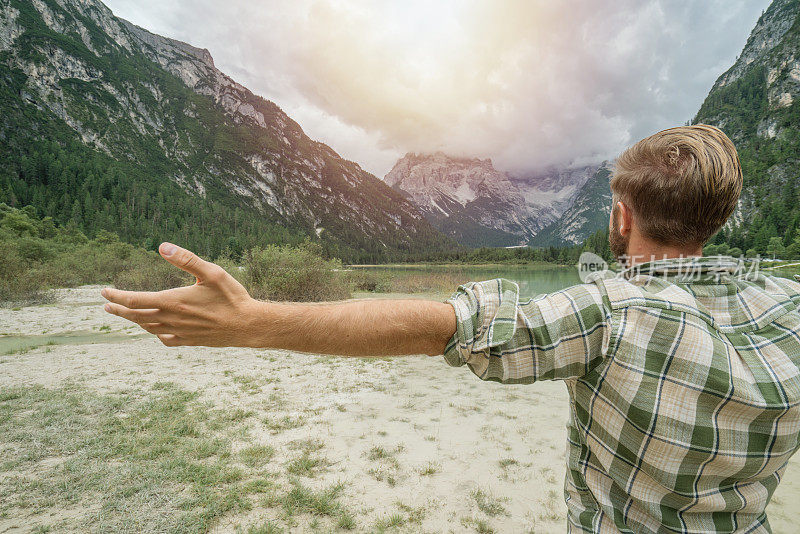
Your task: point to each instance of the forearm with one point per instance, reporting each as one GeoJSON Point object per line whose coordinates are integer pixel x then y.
{"type": "Point", "coordinates": [358, 328]}
{"type": "Point", "coordinates": [217, 311]}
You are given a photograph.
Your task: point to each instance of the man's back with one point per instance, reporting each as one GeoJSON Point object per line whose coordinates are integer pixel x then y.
{"type": "Point", "coordinates": [685, 385]}
{"type": "Point", "coordinates": [683, 376]}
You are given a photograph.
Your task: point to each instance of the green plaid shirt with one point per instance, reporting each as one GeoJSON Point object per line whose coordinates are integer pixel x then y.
{"type": "Point", "coordinates": [684, 381]}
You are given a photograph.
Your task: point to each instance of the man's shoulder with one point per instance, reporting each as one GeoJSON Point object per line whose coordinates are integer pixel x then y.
{"type": "Point", "coordinates": [621, 291]}
{"type": "Point", "coordinates": [788, 286]}
{"type": "Point", "coordinates": [576, 297]}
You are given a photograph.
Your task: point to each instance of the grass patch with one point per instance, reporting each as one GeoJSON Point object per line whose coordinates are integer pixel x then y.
{"type": "Point", "coordinates": [398, 281]}
{"type": "Point", "coordinates": [384, 473]}
{"type": "Point", "coordinates": [277, 425]}
{"type": "Point", "coordinates": [388, 467]}
{"type": "Point", "coordinates": [306, 465]}
{"type": "Point", "coordinates": [249, 384]}
{"type": "Point", "coordinates": [256, 455]}
{"type": "Point", "coordinates": [393, 521]}
{"type": "Point", "coordinates": [431, 468]}
{"type": "Point", "coordinates": [407, 515]}
{"type": "Point", "coordinates": [138, 461]}
{"type": "Point", "coordinates": [488, 504]}
{"type": "Point", "coordinates": [265, 528]}
{"type": "Point", "coordinates": [304, 500]}
{"type": "Point", "coordinates": [481, 526]}
{"type": "Point", "coordinates": [346, 521]}
{"type": "Point", "coordinates": [237, 415]}
{"type": "Point", "coordinates": [381, 453]}
{"type": "Point", "coordinates": [306, 445]}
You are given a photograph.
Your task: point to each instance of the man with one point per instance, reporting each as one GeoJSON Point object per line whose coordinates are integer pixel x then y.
{"type": "Point", "coordinates": [683, 375]}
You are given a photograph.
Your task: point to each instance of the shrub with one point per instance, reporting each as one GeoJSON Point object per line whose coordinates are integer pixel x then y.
{"type": "Point", "coordinates": [34, 249]}
{"type": "Point", "coordinates": [150, 272]}
{"type": "Point", "coordinates": [93, 263]}
{"type": "Point", "coordinates": [18, 284]}
{"type": "Point", "coordinates": [291, 273]}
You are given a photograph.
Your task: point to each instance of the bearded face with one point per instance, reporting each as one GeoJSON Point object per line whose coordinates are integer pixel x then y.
{"type": "Point", "coordinates": [617, 241]}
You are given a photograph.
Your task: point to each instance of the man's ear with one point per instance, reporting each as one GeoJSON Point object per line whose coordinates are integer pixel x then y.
{"type": "Point", "coordinates": [625, 219]}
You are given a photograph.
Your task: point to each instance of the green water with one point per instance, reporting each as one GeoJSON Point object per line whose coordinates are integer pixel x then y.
{"type": "Point", "coordinates": [532, 279]}
{"type": "Point", "coordinates": [14, 344]}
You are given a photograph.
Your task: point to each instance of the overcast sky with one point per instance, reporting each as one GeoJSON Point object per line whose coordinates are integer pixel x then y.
{"type": "Point", "coordinates": [529, 83]}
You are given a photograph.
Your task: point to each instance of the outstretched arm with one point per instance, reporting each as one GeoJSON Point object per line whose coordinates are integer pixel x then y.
{"type": "Point", "coordinates": [218, 311]}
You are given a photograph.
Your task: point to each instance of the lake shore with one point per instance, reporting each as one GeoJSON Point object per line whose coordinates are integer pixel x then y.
{"type": "Point", "coordinates": [236, 440]}
{"type": "Point", "coordinates": [423, 265]}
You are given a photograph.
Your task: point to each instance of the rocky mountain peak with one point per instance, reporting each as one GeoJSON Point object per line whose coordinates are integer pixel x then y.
{"type": "Point", "coordinates": [756, 103]}
{"type": "Point", "coordinates": [160, 104]}
{"type": "Point", "coordinates": [477, 204]}
{"type": "Point", "coordinates": [769, 30]}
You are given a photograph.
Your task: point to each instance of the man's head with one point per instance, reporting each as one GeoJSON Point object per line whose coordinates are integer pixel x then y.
{"type": "Point", "coordinates": [673, 190]}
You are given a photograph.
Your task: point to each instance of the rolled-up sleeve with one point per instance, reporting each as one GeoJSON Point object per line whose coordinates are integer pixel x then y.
{"type": "Point", "coordinates": [559, 335]}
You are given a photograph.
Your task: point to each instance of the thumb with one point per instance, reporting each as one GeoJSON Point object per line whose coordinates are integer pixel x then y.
{"type": "Point", "coordinates": [186, 260]}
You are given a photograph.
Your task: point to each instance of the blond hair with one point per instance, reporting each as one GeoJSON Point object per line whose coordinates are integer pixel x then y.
{"type": "Point", "coordinates": [682, 183]}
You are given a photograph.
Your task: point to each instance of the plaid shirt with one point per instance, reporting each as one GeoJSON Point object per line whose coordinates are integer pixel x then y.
{"type": "Point", "coordinates": [684, 382]}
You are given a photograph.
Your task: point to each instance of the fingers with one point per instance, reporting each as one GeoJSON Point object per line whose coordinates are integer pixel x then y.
{"type": "Point", "coordinates": [188, 261]}
{"type": "Point", "coordinates": [170, 340]}
{"type": "Point", "coordinates": [147, 319]}
{"type": "Point", "coordinates": [135, 315]}
{"type": "Point", "coordinates": [135, 299]}
{"type": "Point", "coordinates": [157, 328]}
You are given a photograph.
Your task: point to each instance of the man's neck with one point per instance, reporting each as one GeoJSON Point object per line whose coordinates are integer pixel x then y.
{"type": "Point", "coordinates": [642, 250]}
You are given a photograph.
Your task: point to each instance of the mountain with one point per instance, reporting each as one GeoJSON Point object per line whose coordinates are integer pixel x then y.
{"type": "Point", "coordinates": [107, 125]}
{"type": "Point", "coordinates": [757, 103]}
{"type": "Point", "coordinates": [478, 205]}
{"type": "Point", "coordinates": [588, 212]}
{"type": "Point", "coordinates": [467, 199]}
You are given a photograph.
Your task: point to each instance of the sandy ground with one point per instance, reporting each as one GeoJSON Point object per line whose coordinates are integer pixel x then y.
{"type": "Point", "coordinates": [507, 441]}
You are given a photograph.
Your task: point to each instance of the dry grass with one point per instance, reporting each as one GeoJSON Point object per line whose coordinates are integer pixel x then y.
{"type": "Point", "coordinates": [143, 461]}
{"type": "Point", "coordinates": [399, 281]}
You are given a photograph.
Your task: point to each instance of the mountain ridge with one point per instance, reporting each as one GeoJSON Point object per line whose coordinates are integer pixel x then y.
{"type": "Point", "coordinates": [478, 205]}
{"type": "Point", "coordinates": [756, 102]}
{"type": "Point", "coordinates": [111, 82]}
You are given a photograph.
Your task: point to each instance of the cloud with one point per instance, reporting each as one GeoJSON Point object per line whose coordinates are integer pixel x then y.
{"type": "Point", "coordinates": [531, 84]}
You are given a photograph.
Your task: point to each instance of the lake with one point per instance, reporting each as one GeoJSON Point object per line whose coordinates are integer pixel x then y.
{"type": "Point", "coordinates": [532, 279]}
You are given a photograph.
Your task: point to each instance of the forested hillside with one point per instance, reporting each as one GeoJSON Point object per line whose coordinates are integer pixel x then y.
{"type": "Point", "coordinates": [756, 103]}
{"type": "Point", "coordinates": [104, 125]}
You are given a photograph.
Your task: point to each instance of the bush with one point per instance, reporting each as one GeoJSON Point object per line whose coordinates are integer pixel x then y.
{"type": "Point", "coordinates": [34, 249]}
{"type": "Point", "coordinates": [150, 272]}
{"type": "Point", "coordinates": [35, 256]}
{"type": "Point", "coordinates": [298, 274]}
{"type": "Point", "coordinates": [92, 263]}
{"type": "Point", "coordinates": [18, 284]}
{"type": "Point", "coordinates": [23, 290]}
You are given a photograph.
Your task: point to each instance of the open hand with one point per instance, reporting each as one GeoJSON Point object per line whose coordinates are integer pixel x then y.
{"type": "Point", "coordinates": [216, 311]}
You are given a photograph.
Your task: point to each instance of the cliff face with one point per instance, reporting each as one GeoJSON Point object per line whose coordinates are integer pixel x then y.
{"type": "Point", "coordinates": [471, 201]}
{"type": "Point", "coordinates": [161, 104]}
{"type": "Point", "coordinates": [756, 103]}
{"type": "Point", "coordinates": [588, 212]}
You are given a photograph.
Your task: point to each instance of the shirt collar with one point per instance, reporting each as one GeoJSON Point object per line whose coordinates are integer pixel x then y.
{"type": "Point", "coordinates": [714, 269]}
